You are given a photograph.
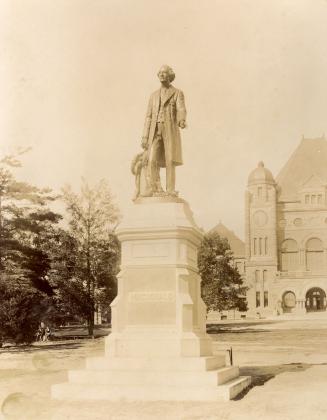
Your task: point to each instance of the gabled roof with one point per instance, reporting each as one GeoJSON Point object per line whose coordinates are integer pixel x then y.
{"type": "Point", "coordinates": [236, 244]}
{"type": "Point", "coordinates": [313, 182]}
{"type": "Point", "coordinates": [310, 158]}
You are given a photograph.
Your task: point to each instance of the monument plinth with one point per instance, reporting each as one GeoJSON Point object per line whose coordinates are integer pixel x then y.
{"type": "Point", "coordinates": [158, 348]}
{"type": "Point", "coordinates": [158, 310]}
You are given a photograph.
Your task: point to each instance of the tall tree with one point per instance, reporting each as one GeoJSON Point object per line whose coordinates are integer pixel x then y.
{"type": "Point", "coordinates": [93, 218]}
{"type": "Point", "coordinates": [67, 275]}
{"type": "Point", "coordinates": [26, 227]}
{"type": "Point", "coordinates": [222, 285]}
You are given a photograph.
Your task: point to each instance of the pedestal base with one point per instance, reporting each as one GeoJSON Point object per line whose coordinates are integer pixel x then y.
{"type": "Point", "coordinates": [165, 379]}
{"type": "Point", "coordinates": [159, 348]}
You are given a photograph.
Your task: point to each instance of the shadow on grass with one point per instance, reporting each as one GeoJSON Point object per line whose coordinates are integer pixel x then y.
{"type": "Point", "coordinates": [262, 374]}
{"type": "Point", "coordinates": [240, 327]}
{"type": "Point", "coordinates": [42, 347]}
{"type": "Point", "coordinates": [61, 338]}
{"type": "Point", "coordinates": [233, 324]}
{"type": "Point", "coordinates": [230, 331]}
{"type": "Point", "coordinates": [82, 331]}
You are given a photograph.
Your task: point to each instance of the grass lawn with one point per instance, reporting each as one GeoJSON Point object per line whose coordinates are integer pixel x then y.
{"type": "Point", "coordinates": [286, 359]}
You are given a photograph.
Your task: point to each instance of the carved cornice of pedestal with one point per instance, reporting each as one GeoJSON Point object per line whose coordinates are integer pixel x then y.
{"type": "Point", "coordinates": [178, 266]}
{"type": "Point", "coordinates": [191, 234]}
{"type": "Point", "coordinates": [163, 198]}
{"type": "Point", "coordinates": [159, 218]}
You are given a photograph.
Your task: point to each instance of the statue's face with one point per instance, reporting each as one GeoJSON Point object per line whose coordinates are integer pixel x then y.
{"type": "Point", "coordinates": [163, 75]}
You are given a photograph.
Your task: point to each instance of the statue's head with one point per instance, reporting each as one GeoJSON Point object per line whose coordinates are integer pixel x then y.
{"type": "Point", "coordinates": [166, 74]}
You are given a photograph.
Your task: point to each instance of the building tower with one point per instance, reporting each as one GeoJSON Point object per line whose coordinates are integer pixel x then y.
{"type": "Point", "coordinates": [261, 241]}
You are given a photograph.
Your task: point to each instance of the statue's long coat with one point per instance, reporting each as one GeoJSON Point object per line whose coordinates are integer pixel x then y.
{"type": "Point", "coordinates": [174, 112]}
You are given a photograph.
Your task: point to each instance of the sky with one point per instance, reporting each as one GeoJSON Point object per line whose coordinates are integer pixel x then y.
{"type": "Point", "coordinates": [76, 76]}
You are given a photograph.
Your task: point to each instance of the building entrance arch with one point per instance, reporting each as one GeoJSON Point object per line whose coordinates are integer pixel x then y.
{"type": "Point", "coordinates": [315, 300]}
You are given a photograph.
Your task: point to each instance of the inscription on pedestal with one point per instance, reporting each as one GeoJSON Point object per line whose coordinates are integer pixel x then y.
{"type": "Point", "coordinates": [151, 297]}
{"type": "Point", "coordinates": [148, 250]}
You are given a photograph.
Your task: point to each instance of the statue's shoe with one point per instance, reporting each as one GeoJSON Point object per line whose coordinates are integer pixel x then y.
{"type": "Point", "coordinates": [146, 194]}
{"type": "Point", "coordinates": [172, 193]}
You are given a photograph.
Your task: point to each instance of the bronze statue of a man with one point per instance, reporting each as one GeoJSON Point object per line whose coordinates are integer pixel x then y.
{"type": "Point", "coordinates": [166, 114]}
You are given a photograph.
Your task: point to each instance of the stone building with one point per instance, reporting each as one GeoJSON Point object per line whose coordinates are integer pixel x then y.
{"type": "Point", "coordinates": [286, 234]}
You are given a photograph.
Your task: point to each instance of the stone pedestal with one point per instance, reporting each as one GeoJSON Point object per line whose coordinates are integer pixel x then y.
{"type": "Point", "coordinates": [158, 348]}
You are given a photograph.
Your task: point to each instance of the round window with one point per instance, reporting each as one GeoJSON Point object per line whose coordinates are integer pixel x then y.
{"type": "Point", "coordinates": [298, 222]}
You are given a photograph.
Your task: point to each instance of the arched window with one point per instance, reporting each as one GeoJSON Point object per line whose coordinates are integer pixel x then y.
{"type": "Point", "coordinates": [314, 254]}
{"type": "Point", "coordinates": [265, 279]}
{"type": "Point", "coordinates": [257, 277]}
{"type": "Point", "coordinates": [259, 192]}
{"type": "Point", "coordinates": [265, 287]}
{"type": "Point", "coordinates": [290, 255]}
{"type": "Point", "coordinates": [257, 288]}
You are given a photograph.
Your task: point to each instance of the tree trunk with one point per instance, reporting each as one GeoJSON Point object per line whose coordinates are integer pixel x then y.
{"type": "Point", "coordinates": [90, 324]}
{"type": "Point", "coordinates": [0, 230]}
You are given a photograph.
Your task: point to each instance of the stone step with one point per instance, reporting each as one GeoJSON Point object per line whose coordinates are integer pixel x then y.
{"type": "Point", "coordinates": [154, 364]}
{"type": "Point", "coordinates": [168, 378]}
{"type": "Point", "coordinates": [234, 387]}
{"type": "Point", "coordinates": [76, 392]}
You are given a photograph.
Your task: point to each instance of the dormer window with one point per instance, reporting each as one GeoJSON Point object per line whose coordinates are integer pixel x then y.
{"type": "Point", "coordinates": [313, 191]}
{"type": "Point", "coordinates": [314, 198]}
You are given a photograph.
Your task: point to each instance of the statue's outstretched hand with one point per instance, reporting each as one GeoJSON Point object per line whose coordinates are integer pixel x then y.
{"type": "Point", "coordinates": [182, 124]}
